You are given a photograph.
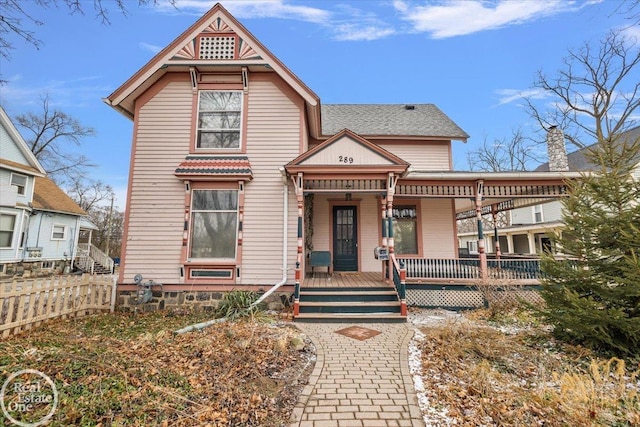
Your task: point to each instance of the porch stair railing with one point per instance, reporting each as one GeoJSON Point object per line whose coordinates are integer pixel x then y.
{"type": "Point", "coordinates": [92, 260]}
{"type": "Point", "coordinates": [400, 282]}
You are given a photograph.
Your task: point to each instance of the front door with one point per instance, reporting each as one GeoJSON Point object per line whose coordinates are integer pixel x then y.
{"type": "Point", "coordinates": [345, 238]}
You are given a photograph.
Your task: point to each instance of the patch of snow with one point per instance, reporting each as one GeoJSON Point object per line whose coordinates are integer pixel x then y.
{"type": "Point", "coordinates": [433, 417]}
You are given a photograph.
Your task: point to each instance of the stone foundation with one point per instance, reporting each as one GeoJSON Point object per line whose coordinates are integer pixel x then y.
{"type": "Point", "coordinates": [202, 300]}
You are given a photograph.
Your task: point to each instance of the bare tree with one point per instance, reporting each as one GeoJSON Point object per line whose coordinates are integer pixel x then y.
{"type": "Point", "coordinates": [16, 20]}
{"type": "Point", "coordinates": [596, 94]}
{"type": "Point", "coordinates": [505, 155]}
{"type": "Point", "coordinates": [89, 194]}
{"type": "Point", "coordinates": [51, 131]}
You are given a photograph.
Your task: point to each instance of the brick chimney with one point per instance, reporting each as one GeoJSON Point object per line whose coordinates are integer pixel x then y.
{"type": "Point", "coordinates": [556, 149]}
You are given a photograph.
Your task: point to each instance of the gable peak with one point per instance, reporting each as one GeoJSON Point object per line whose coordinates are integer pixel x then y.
{"type": "Point", "coordinates": [218, 40]}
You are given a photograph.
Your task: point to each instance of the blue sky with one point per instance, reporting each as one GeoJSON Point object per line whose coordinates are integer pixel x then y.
{"type": "Point", "coordinates": [473, 59]}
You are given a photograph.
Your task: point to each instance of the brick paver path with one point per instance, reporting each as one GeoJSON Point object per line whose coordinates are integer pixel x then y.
{"type": "Point", "coordinates": [355, 382]}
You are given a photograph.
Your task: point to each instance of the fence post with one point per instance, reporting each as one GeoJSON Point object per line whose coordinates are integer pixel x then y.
{"type": "Point", "coordinates": [114, 286]}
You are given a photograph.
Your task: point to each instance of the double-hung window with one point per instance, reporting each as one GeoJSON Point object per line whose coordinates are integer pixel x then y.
{"type": "Point", "coordinates": [219, 119]}
{"type": "Point", "coordinates": [405, 229]}
{"type": "Point", "coordinates": [19, 181]}
{"type": "Point", "coordinates": [537, 213]}
{"type": "Point", "coordinates": [58, 232]}
{"type": "Point", "coordinates": [7, 225]}
{"type": "Point", "coordinates": [214, 224]}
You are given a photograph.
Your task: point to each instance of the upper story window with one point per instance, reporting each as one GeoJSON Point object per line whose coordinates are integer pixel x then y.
{"type": "Point", "coordinates": [58, 232]}
{"type": "Point", "coordinates": [19, 181]}
{"type": "Point", "coordinates": [219, 119]}
{"type": "Point", "coordinates": [214, 224]}
{"type": "Point", "coordinates": [537, 213]}
{"type": "Point", "coordinates": [7, 225]}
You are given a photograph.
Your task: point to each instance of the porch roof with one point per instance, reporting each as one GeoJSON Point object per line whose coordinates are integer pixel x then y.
{"type": "Point", "coordinates": [502, 190]}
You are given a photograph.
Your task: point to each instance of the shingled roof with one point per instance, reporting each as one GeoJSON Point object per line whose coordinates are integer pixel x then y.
{"type": "Point", "coordinates": [579, 162]}
{"type": "Point", "coordinates": [47, 196]}
{"type": "Point", "coordinates": [422, 120]}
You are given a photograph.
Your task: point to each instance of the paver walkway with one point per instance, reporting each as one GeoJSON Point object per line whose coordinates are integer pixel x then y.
{"type": "Point", "coordinates": [358, 382]}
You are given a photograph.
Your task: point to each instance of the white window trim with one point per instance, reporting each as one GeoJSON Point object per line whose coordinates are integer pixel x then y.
{"type": "Point", "coordinates": [26, 183]}
{"type": "Point", "coordinates": [64, 232]}
{"type": "Point", "coordinates": [537, 209]}
{"type": "Point", "coordinates": [240, 135]}
{"type": "Point", "coordinates": [14, 232]}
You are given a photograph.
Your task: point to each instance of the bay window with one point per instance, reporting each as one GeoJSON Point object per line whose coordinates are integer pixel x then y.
{"type": "Point", "coordinates": [219, 119]}
{"type": "Point", "coordinates": [405, 229]}
{"type": "Point", "coordinates": [214, 224]}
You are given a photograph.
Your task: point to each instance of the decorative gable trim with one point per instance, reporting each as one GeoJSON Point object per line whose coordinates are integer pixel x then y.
{"type": "Point", "coordinates": [337, 152]}
{"type": "Point", "coordinates": [184, 51]}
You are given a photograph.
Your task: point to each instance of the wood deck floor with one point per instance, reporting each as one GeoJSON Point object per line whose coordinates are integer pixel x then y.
{"type": "Point", "coordinates": [344, 280]}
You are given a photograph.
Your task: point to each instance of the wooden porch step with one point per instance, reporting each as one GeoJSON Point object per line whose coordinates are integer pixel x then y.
{"type": "Point", "coordinates": [371, 307]}
{"type": "Point", "coordinates": [370, 304]}
{"type": "Point", "coordinates": [351, 318]}
{"type": "Point", "coordinates": [341, 296]}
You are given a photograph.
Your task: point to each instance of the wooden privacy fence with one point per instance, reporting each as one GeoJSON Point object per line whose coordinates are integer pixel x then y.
{"type": "Point", "coordinates": [27, 303]}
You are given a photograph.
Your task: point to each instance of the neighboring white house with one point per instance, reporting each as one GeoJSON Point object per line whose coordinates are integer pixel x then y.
{"type": "Point", "coordinates": [39, 223]}
{"type": "Point", "coordinates": [530, 228]}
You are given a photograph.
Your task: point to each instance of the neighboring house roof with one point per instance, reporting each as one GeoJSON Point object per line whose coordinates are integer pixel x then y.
{"type": "Point", "coordinates": [199, 167]}
{"type": "Point", "coordinates": [19, 167]}
{"type": "Point", "coordinates": [86, 224]}
{"type": "Point", "coordinates": [423, 120]}
{"type": "Point", "coordinates": [578, 160]}
{"type": "Point", "coordinates": [34, 165]}
{"type": "Point", "coordinates": [47, 196]}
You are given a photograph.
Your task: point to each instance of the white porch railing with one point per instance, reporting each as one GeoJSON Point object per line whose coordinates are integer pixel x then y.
{"type": "Point", "coordinates": [88, 255]}
{"type": "Point", "coordinates": [469, 268]}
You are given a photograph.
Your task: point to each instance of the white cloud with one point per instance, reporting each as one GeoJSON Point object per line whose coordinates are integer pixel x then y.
{"type": "Point", "coordinates": [344, 22]}
{"type": "Point", "coordinates": [247, 9]}
{"type": "Point", "coordinates": [507, 96]}
{"type": "Point", "coordinates": [76, 92]}
{"type": "Point", "coordinates": [353, 32]}
{"type": "Point", "coordinates": [150, 47]}
{"type": "Point", "coordinates": [451, 18]}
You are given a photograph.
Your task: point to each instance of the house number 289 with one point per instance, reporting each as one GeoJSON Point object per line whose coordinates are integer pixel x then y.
{"type": "Point", "coordinates": [345, 159]}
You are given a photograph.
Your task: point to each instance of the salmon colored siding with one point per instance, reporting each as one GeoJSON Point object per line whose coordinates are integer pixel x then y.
{"type": "Point", "coordinates": [438, 230]}
{"type": "Point", "coordinates": [432, 157]}
{"type": "Point", "coordinates": [273, 139]}
{"type": "Point", "coordinates": [156, 204]}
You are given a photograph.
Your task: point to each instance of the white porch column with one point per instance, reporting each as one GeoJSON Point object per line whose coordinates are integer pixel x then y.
{"type": "Point", "coordinates": [532, 242]}
{"type": "Point", "coordinates": [510, 243]}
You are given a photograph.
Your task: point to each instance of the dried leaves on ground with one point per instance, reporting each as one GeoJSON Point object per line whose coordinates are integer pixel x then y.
{"type": "Point", "coordinates": [131, 370]}
{"type": "Point", "coordinates": [480, 371]}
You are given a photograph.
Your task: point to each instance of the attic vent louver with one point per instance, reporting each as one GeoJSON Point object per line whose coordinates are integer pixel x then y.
{"type": "Point", "coordinates": [217, 47]}
{"type": "Point", "coordinates": [409, 107]}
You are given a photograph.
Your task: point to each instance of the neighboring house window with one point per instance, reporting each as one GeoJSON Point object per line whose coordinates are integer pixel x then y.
{"type": "Point", "coordinates": [214, 224]}
{"type": "Point", "coordinates": [537, 213]}
{"type": "Point", "coordinates": [219, 119]}
{"type": "Point", "coordinates": [19, 181]}
{"type": "Point", "coordinates": [58, 232]}
{"type": "Point", "coordinates": [472, 246]}
{"type": "Point", "coordinates": [405, 230]}
{"type": "Point", "coordinates": [7, 225]}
